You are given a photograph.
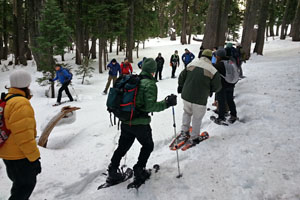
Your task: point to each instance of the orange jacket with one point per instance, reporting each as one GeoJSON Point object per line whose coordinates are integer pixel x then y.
{"type": "Point", "coordinates": [19, 119]}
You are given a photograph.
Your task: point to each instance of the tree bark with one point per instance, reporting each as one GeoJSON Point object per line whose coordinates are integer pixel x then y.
{"type": "Point", "coordinates": [284, 21]}
{"type": "Point", "coordinates": [5, 32]}
{"type": "Point", "coordinates": [272, 18]}
{"type": "Point", "coordinates": [210, 33]}
{"type": "Point", "coordinates": [110, 45]}
{"type": "Point", "coordinates": [296, 25]}
{"type": "Point", "coordinates": [223, 24]}
{"type": "Point", "coordinates": [79, 34]}
{"type": "Point", "coordinates": [28, 54]}
{"type": "Point", "coordinates": [93, 48]}
{"type": "Point", "coordinates": [184, 20]}
{"type": "Point", "coordinates": [263, 16]}
{"type": "Point", "coordinates": [130, 28]}
{"type": "Point", "coordinates": [100, 55]}
{"type": "Point", "coordinates": [249, 20]}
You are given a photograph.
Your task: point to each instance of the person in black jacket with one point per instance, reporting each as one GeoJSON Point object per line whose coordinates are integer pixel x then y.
{"type": "Point", "coordinates": [225, 95]}
{"type": "Point", "coordinates": [160, 64]}
{"type": "Point", "coordinates": [174, 63]}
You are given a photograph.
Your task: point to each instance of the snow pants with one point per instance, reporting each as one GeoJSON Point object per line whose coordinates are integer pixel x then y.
{"type": "Point", "coordinates": [23, 175]}
{"type": "Point", "coordinates": [143, 134]}
{"type": "Point", "coordinates": [192, 112]}
{"type": "Point", "coordinates": [158, 72]}
{"type": "Point", "coordinates": [225, 95]}
{"type": "Point", "coordinates": [65, 88]}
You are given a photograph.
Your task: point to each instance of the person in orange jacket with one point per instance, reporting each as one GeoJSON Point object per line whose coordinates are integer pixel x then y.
{"type": "Point", "coordinates": [19, 152]}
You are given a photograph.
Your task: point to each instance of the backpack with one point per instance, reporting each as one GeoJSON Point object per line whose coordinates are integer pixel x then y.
{"type": "Point", "coordinates": [4, 132]}
{"type": "Point", "coordinates": [69, 72]}
{"type": "Point", "coordinates": [121, 97]}
{"type": "Point", "coordinates": [232, 72]}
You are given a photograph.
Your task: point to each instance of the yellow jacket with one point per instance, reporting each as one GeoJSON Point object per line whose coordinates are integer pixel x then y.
{"type": "Point", "coordinates": [19, 119]}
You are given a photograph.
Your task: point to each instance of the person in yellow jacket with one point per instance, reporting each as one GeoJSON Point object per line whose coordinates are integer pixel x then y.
{"type": "Point", "coordinates": [19, 152]}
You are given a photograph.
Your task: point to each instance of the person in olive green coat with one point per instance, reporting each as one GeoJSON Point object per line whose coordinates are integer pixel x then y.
{"type": "Point", "coordinates": [139, 127]}
{"type": "Point", "coordinates": [198, 81]}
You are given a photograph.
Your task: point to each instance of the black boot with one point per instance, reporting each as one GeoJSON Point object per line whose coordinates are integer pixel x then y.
{"type": "Point", "coordinates": [141, 175]}
{"type": "Point", "coordinates": [114, 175]}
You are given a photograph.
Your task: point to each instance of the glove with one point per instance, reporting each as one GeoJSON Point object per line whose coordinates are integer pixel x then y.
{"type": "Point", "coordinates": [179, 89]}
{"type": "Point", "coordinates": [36, 165]}
{"type": "Point", "coordinates": [50, 80]}
{"type": "Point", "coordinates": [171, 100]}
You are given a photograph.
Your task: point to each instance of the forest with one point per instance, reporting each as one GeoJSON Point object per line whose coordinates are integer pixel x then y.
{"type": "Point", "coordinates": [42, 29]}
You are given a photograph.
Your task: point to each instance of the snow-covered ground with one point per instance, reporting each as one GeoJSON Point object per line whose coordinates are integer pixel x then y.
{"type": "Point", "coordinates": [256, 159]}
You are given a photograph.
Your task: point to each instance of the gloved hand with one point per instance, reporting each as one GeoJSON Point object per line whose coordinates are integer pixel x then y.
{"type": "Point", "coordinates": [50, 80]}
{"type": "Point", "coordinates": [36, 165]}
{"type": "Point", "coordinates": [171, 100]}
{"type": "Point", "coordinates": [179, 89]}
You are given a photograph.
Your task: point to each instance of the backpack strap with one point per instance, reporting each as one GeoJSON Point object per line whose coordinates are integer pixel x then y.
{"type": "Point", "coordinates": [3, 95]}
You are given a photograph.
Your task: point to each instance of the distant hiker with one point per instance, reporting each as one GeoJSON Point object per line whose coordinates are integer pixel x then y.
{"type": "Point", "coordinates": [160, 65]}
{"type": "Point", "coordinates": [141, 62]}
{"type": "Point", "coordinates": [231, 52]}
{"type": "Point", "coordinates": [225, 95]}
{"type": "Point", "coordinates": [195, 83]}
{"type": "Point", "coordinates": [126, 67]}
{"type": "Point", "coordinates": [200, 52]}
{"type": "Point", "coordinates": [64, 77]}
{"type": "Point", "coordinates": [174, 63]}
{"type": "Point", "coordinates": [241, 57]}
{"type": "Point", "coordinates": [187, 57]}
{"type": "Point", "coordinates": [139, 127]}
{"type": "Point", "coordinates": [19, 152]}
{"type": "Point", "coordinates": [113, 68]}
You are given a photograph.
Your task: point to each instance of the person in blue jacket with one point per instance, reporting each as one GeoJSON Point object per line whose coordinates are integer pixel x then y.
{"type": "Point", "coordinates": [187, 57]}
{"type": "Point", "coordinates": [141, 62]}
{"type": "Point", "coordinates": [114, 68]}
{"type": "Point", "coordinates": [64, 77]}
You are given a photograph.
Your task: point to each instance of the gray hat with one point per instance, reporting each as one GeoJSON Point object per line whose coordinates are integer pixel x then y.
{"type": "Point", "coordinates": [221, 53]}
{"type": "Point", "coordinates": [20, 79]}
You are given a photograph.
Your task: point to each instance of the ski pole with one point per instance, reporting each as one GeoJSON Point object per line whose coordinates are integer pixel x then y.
{"type": "Point", "coordinates": [74, 92]}
{"type": "Point", "coordinates": [174, 125]}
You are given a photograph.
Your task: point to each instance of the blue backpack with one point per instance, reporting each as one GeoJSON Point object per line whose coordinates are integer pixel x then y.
{"type": "Point", "coordinates": [122, 96]}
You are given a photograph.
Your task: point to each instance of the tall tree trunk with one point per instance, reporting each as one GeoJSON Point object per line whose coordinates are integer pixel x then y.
{"type": "Point", "coordinates": [223, 23]}
{"type": "Point", "coordinates": [118, 44]}
{"type": "Point", "coordinates": [93, 48]}
{"type": "Point", "coordinates": [5, 31]}
{"type": "Point", "coordinates": [296, 25]}
{"type": "Point", "coordinates": [105, 54]}
{"type": "Point", "coordinates": [272, 17]}
{"type": "Point", "coordinates": [130, 28]}
{"type": "Point", "coordinates": [100, 55]}
{"type": "Point", "coordinates": [284, 21]}
{"type": "Point", "coordinates": [79, 34]}
{"type": "Point", "coordinates": [210, 33]}
{"type": "Point", "coordinates": [249, 20]}
{"type": "Point", "coordinates": [26, 35]}
{"type": "Point", "coordinates": [110, 45]}
{"type": "Point", "coordinates": [277, 29]}
{"type": "Point", "coordinates": [263, 16]}
{"type": "Point", "coordinates": [184, 20]}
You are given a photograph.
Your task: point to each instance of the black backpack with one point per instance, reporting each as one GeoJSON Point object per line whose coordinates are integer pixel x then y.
{"type": "Point", "coordinates": [121, 98]}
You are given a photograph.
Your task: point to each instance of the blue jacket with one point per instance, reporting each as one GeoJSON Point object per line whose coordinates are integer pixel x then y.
{"type": "Point", "coordinates": [114, 69]}
{"type": "Point", "coordinates": [187, 57]}
{"type": "Point", "coordinates": [62, 75]}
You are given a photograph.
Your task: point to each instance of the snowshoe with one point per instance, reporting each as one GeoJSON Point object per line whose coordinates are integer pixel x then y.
{"type": "Point", "coordinates": [232, 119]}
{"type": "Point", "coordinates": [140, 176]}
{"type": "Point", "coordinates": [180, 140]}
{"type": "Point", "coordinates": [218, 121]}
{"type": "Point", "coordinates": [122, 177]}
{"type": "Point", "coordinates": [193, 142]}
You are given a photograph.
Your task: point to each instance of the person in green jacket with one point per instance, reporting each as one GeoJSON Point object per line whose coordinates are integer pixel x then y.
{"type": "Point", "coordinates": [139, 127]}
{"type": "Point", "coordinates": [195, 83]}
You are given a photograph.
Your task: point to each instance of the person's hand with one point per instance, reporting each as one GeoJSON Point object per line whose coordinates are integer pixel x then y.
{"type": "Point", "coordinates": [50, 80]}
{"type": "Point", "coordinates": [179, 89]}
{"type": "Point", "coordinates": [36, 165]}
{"type": "Point", "coordinates": [171, 100]}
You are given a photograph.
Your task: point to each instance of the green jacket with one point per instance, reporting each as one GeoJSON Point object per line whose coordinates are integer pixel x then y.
{"type": "Point", "coordinates": [199, 80]}
{"type": "Point", "coordinates": [146, 100]}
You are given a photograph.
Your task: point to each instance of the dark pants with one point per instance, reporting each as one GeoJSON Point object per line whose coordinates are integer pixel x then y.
{"type": "Point", "coordinates": [23, 175]}
{"type": "Point", "coordinates": [225, 95]}
{"type": "Point", "coordinates": [173, 70]}
{"type": "Point", "coordinates": [143, 134]}
{"type": "Point", "coordinates": [158, 72]}
{"type": "Point", "coordinates": [65, 88]}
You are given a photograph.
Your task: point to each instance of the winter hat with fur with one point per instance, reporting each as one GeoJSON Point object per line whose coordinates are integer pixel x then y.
{"type": "Point", "coordinates": [20, 79]}
{"type": "Point", "coordinates": [149, 65]}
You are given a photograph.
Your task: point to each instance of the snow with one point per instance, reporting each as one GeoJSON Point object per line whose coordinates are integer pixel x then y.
{"type": "Point", "coordinates": [257, 158]}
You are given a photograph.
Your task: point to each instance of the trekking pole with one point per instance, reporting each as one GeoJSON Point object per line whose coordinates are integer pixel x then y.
{"type": "Point", "coordinates": [74, 92]}
{"type": "Point", "coordinates": [174, 125]}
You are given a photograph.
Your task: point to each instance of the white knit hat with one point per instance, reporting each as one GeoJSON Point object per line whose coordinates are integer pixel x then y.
{"type": "Point", "coordinates": [20, 79]}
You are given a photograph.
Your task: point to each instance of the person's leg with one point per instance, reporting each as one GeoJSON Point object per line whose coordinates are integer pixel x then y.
{"type": "Point", "coordinates": [221, 98]}
{"type": "Point", "coordinates": [114, 79]}
{"type": "Point", "coordinates": [187, 115]}
{"type": "Point", "coordinates": [173, 70]}
{"type": "Point", "coordinates": [198, 114]}
{"type": "Point", "coordinates": [160, 72]}
{"type": "Point", "coordinates": [156, 73]}
{"type": "Point", "coordinates": [23, 176]}
{"type": "Point", "coordinates": [108, 83]}
{"type": "Point", "coordinates": [61, 89]}
{"type": "Point", "coordinates": [67, 90]}
{"type": "Point", "coordinates": [230, 101]}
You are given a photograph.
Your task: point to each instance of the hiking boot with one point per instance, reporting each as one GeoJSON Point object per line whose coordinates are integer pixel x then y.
{"type": "Point", "coordinates": [114, 175]}
{"type": "Point", "coordinates": [104, 93]}
{"type": "Point", "coordinates": [183, 137]}
{"type": "Point", "coordinates": [141, 175]}
{"type": "Point", "coordinates": [232, 119]}
{"type": "Point", "coordinates": [220, 120]}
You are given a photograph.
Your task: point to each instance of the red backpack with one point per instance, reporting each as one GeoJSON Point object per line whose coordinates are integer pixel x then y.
{"type": "Point", "coordinates": [4, 132]}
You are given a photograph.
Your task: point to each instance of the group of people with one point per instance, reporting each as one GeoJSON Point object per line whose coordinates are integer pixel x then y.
{"type": "Point", "coordinates": [199, 80]}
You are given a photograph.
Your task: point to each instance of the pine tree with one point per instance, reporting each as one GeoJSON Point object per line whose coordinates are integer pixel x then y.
{"type": "Point", "coordinates": [85, 70]}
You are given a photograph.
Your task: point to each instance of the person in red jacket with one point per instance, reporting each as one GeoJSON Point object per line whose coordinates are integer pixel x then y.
{"type": "Point", "coordinates": [126, 67]}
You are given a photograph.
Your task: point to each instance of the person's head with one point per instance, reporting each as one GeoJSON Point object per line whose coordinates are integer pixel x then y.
{"type": "Point", "coordinates": [229, 45]}
{"type": "Point", "coordinates": [144, 58]}
{"type": "Point", "coordinates": [207, 53]}
{"type": "Point", "coordinates": [220, 54]}
{"type": "Point", "coordinates": [21, 79]}
{"type": "Point", "coordinates": [149, 65]}
{"type": "Point", "coordinates": [176, 52]}
{"type": "Point", "coordinates": [186, 51]}
{"type": "Point", "coordinates": [215, 48]}
{"type": "Point", "coordinates": [159, 54]}
{"type": "Point", "coordinates": [57, 67]}
{"type": "Point", "coordinates": [113, 61]}
{"type": "Point", "coordinates": [125, 60]}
